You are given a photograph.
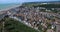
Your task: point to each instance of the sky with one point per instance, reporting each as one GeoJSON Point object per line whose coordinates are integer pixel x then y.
{"type": "Point", "coordinates": [21, 1]}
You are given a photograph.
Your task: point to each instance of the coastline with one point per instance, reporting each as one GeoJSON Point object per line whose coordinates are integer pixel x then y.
{"type": "Point", "coordinates": [14, 6]}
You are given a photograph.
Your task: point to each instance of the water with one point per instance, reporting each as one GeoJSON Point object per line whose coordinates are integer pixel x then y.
{"type": "Point", "coordinates": [3, 6]}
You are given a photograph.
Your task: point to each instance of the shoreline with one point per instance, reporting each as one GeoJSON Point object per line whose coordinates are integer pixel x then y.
{"type": "Point", "coordinates": [14, 6]}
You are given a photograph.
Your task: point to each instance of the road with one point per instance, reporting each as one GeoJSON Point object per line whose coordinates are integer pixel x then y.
{"type": "Point", "coordinates": [24, 22]}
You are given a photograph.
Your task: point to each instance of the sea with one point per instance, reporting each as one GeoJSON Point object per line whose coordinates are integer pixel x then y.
{"type": "Point", "coordinates": [3, 6]}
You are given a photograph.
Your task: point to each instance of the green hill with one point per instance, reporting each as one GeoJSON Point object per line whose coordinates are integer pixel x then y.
{"type": "Point", "coordinates": [12, 25]}
{"type": "Point", "coordinates": [40, 4]}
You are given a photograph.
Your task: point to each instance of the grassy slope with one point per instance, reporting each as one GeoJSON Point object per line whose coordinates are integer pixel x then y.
{"type": "Point", "coordinates": [35, 4]}
{"type": "Point", "coordinates": [12, 25]}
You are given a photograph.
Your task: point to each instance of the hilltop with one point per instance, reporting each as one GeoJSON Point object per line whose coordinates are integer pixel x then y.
{"type": "Point", "coordinates": [50, 4]}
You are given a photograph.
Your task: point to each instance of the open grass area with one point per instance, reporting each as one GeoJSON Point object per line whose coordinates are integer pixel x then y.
{"type": "Point", "coordinates": [12, 25]}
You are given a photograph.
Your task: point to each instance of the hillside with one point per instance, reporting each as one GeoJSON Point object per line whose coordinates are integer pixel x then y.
{"type": "Point", "coordinates": [12, 25]}
{"type": "Point", "coordinates": [43, 4]}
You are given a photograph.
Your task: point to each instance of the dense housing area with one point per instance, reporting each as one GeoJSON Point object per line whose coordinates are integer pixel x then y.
{"type": "Point", "coordinates": [42, 17]}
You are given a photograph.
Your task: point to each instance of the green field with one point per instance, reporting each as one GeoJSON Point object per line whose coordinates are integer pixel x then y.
{"type": "Point", "coordinates": [40, 4]}
{"type": "Point", "coordinates": [12, 25]}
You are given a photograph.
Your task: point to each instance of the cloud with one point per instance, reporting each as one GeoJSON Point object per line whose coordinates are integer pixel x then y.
{"type": "Point", "coordinates": [20, 1]}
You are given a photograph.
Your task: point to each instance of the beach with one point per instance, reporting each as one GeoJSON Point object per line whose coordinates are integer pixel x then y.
{"type": "Point", "coordinates": [14, 6]}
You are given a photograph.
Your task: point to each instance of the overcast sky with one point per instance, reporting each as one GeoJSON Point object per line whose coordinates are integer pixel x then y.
{"type": "Point", "coordinates": [21, 1]}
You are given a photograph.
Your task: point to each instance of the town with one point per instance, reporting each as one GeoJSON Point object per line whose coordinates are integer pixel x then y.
{"type": "Point", "coordinates": [39, 18]}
